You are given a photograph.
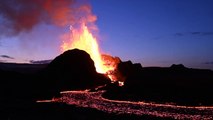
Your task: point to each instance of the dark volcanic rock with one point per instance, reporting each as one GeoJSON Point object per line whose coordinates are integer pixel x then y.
{"type": "Point", "coordinates": [128, 70]}
{"type": "Point", "coordinates": [74, 69]}
{"type": "Point", "coordinates": [73, 62]}
{"type": "Point", "coordinates": [176, 84]}
{"type": "Point", "coordinates": [178, 67]}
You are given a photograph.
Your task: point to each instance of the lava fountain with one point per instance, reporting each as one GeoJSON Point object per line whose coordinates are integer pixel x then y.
{"type": "Point", "coordinates": [83, 39]}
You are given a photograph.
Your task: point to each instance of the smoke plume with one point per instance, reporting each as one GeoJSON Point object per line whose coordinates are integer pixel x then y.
{"type": "Point", "coordinates": [18, 16]}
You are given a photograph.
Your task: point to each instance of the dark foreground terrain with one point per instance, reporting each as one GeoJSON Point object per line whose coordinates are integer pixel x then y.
{"type": "Point", "coordinates": [176, 84]}
{"type": "Point", "coordinates": [61, 111]}
{"type": "Point", "coordinates": [21, 85]}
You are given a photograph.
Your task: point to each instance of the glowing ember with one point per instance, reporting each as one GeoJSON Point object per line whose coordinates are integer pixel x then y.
{"type": "Point", "coordinates": [120, 83]}
{"type": "Point", "coordinates": [83, 39]}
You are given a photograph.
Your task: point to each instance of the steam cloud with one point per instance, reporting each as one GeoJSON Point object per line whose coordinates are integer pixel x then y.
{"type": "Point", "coordinates": [18, 16]}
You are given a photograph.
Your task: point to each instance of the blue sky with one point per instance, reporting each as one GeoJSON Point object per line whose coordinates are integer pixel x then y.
{"type": "Point", "coordinates": [151, 32]}
{"type": "Point", "coordinates": [157, 32]}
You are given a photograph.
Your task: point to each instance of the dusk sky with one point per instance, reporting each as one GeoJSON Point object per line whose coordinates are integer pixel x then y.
{"type": "Point", "coordinates": [151, 32]}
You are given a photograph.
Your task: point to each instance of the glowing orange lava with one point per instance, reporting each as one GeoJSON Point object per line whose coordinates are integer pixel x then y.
{"type": "Point", "coordinates": [83, 39]}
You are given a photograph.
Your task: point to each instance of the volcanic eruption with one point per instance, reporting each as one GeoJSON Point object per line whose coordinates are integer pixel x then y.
{"type": "Point", "coordinates": [60, 13]}
{"type": "Point", "coordinates": [81, 37]}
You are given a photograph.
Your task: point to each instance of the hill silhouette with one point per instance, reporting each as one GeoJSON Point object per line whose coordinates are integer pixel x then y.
{"type": "Point", "coordinates": [176, 84]}
{"type": "Point", "coordinates": [74, 69]}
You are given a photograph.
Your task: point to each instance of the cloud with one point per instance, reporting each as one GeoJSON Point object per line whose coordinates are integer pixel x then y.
{"type": "Point", "coordinates": [6, 56]}
{"type": "Point", "coordinates": [207, 33]}
{"type": "Point", "coordinates": [40, 61]}
{"type": "Point", "coordinates": [202, 33]}
{"type": "Point", "coordinates": [194, 33]}
{"type": "Point", "coordinates": [23, 15]}
{"type": "Point", "coordinates": [18, 16]}
{"type": "Point", "coordinates": [209, 63]}
{"type": "Point", "coordinates": [3, 61]}
{"type": "Point", "coordinates": [179, 34]}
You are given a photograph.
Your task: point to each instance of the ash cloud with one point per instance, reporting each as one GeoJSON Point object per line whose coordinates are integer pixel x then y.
{"type": "Point", "coordinates": [18, 16]}
{"type": "Point", "coordinates": [7, 57]}
{"type": "Point", "coordinates": [23, 15]}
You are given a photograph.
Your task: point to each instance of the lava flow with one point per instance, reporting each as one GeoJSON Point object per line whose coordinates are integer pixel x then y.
{"type": "Point", "coordinates": [96, 101]}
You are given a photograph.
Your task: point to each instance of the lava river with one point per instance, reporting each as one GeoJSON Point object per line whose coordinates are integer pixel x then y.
{"type": "Point", "coordinates": [95, 100]}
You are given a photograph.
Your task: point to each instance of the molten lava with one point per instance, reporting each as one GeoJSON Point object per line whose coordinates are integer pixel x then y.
{"type": "Point", "coordinates": [83, 39]}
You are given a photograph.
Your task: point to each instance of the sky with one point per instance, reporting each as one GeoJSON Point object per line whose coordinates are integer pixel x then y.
{"type": "Point", "coordinates": [150, 32]}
